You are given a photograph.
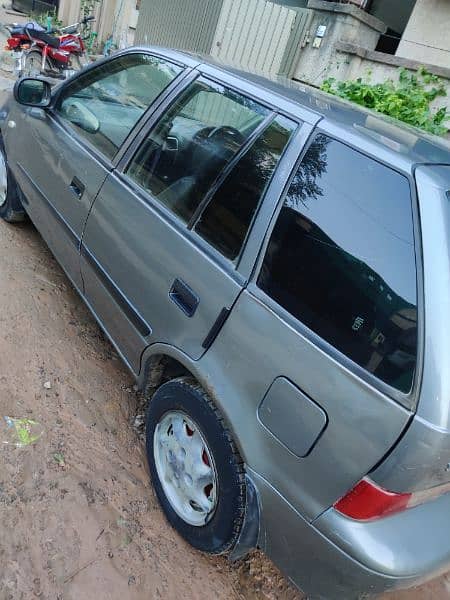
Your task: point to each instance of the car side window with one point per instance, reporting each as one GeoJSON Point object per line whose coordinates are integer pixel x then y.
{"type": "Point", "coordinates": [192, 144]}
{"type": "Point", "coordinates": [341, 259]}
{"type": "Point", "coordinates": [105, 104]}
{"type": "Point", "coordinates": [227, 217]}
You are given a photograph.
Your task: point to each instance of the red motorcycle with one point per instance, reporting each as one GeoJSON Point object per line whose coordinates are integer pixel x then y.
{"type": "Point", "coordinates": [43, 52]}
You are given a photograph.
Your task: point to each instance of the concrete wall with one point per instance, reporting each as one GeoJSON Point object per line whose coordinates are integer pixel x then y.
{"type": "Point", "coordinates": [342, 22]}
{"type": "Point", "coordinates": [347, 50]}
{"type": "Point", "coordinates": [427, 35]}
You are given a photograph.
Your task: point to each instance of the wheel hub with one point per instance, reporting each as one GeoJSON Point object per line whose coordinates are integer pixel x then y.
{"type": "Point", "coordinates": [185, 468]}
{"type": "Point", "coordinates": [3, 179]}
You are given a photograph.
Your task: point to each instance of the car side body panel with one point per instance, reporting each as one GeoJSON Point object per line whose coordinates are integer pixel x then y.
{"type": "Point", "coordinates": [254, 348]}
{"type": "Point", "coordinates": [37, 146]}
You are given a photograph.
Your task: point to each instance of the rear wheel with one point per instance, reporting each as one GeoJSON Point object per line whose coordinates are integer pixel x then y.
{"type": "Point", "coordinates": [196, 470]}
{"type": "Point", "coordinates": [32, 64]}
{"type": "Point", "coordinates": [11, 209]}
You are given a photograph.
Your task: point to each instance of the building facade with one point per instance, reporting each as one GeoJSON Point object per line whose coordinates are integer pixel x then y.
{"type": "Point", "coordinates": [116, 19]}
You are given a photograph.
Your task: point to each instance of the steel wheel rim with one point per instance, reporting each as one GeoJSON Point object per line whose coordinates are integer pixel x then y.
{"type": "Point", "coordinates": [185, 468]}
{"type": "Point", "coordinates": [3, 179]}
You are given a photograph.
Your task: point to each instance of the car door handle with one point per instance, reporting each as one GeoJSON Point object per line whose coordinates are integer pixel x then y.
{"type": "Point", "coordinates": [77, 188]}
{"type": "Point", "coordinates": [185, 298]}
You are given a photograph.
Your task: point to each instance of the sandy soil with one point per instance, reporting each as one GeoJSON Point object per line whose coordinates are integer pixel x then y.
{"type": "Point", "coordinates": [78, 516]}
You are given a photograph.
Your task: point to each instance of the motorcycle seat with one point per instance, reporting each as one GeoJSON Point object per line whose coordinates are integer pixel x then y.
{"type": "Point", "coordinates": [17, 30]}
{"type": "Point", "coordinates": [44, 37]}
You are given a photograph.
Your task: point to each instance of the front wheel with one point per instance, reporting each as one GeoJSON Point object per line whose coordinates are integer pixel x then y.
{"type": "Point", "coordinates": [196, 470]}
{"type": "Point", "coordinates": [11, 209]}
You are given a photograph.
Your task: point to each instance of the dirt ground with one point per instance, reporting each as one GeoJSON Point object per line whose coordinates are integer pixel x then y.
{"type": "Point", "coordinates": [78, 516]}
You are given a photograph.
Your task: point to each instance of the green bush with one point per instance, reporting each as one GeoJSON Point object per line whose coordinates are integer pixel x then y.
{"type": "Point", "coordinates": [407, 100]}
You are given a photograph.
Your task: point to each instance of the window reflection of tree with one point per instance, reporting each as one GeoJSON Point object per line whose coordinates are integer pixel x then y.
{"type": "Point", "coordinates": [314, 164]}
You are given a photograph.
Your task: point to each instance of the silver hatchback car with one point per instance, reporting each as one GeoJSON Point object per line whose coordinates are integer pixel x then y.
{"type": "Point", "coordinates": [273, 266]}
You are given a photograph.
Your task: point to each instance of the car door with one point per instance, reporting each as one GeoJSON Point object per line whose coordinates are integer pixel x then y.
{"type": "Point", "coordinates": [329, 321]}
{"type": "Point", "coordinates": [65, 154]}
{"type": "Point", "coordinates": [162, 244]}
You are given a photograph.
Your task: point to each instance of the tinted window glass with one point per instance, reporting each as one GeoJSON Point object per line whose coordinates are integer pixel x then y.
{"type": "Point", "coordinates": [227, 217]}
{"type": "Point", "coordinates": [341, 259]}
{"type": "Point", "coordinates": [193, 143]}
{"type": "Point", "coordinates": [105, 104]}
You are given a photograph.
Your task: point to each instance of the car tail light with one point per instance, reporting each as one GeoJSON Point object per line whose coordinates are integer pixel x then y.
{"type": "Point", "coordinates": [368, 501]}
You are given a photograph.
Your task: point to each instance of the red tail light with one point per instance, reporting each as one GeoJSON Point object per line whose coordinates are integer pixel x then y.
{"type": "Point", "coordinates": [368, 501]}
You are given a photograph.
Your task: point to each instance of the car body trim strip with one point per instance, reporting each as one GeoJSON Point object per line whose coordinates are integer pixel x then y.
{"type": "Point", "coordinates": [130, 312]}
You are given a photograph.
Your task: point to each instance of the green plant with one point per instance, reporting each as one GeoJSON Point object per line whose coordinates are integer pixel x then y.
{"type": "Point", "coordinates": [409, 99]}
{"type": "Point", "coordinates": [43, 17]}
{"type": "Point", "coordinates": [87, 7]}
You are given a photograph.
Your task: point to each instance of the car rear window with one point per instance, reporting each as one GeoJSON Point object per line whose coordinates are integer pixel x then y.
{"type": "Point", "coordinates": [341, 259]}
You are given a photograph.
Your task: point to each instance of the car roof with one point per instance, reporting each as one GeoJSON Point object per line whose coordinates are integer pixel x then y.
{"type": "Point", "coordinates": [369, 127]}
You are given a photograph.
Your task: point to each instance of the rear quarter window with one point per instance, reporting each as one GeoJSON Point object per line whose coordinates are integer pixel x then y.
{"type": "Point", "coordinates": [341, 259]}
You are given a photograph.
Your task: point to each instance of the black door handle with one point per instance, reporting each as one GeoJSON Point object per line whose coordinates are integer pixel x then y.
{"type": "Point", "coordinates": [77, 188]}
{"type": "Point", "coordinates": [185, 298]}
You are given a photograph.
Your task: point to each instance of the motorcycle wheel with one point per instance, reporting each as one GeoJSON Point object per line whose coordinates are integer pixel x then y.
{"type": "Point", "coordinates": [32, 64]}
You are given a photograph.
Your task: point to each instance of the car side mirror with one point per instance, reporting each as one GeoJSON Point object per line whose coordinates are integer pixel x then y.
{"type": "Point", "coordinates": [77, 113]}
{"type": "Point", "coordinates": [33, 92]}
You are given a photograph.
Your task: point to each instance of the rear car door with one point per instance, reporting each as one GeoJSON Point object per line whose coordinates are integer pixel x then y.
{"type": "Point", "coordinates": [162, 245]}
{"type": "Point", "coordinates": [329, 325]}
{"type": "Point", "coordinates": [64, 155]}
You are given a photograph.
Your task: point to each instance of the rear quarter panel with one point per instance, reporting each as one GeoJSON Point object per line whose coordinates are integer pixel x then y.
{"type": "Point", "coordinates": [255, 347]}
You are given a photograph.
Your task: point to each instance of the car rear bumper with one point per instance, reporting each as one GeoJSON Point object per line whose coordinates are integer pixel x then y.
{"type": "Point", "coordinates": [337, 558]}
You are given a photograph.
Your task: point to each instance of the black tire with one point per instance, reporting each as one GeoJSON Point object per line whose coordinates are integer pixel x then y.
{"type": "Point", "coordinates": [33, 60]}
{"type": "Point", "coordinates": [221, 532]}
{"type": "Point", "coordinates": [11, 210]}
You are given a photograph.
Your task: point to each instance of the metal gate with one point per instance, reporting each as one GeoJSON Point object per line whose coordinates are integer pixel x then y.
{"type": "Point", "coordinates": [183, 24]}
{"type": "Point", "coordinates": [257, 35]}
{"type": "Point", "coordinates": [252, 34]}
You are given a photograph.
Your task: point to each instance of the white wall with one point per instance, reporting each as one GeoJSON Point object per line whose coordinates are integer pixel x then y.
{"type": "Point", "coordinates": [427, 35]}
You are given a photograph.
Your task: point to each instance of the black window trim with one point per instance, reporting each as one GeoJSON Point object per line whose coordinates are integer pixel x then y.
{"type": "Point", "coordinates": [298, 125]}
{"type": "Point", "coordinates": [407, 400]}
{"type": "Point", "coordinates": [217, 183]}
{"type": "Point", "coordinates": [111, 163]}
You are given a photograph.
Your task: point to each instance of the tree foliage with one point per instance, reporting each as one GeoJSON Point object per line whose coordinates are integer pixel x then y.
{"type": "Point", "coordinates": [408, 100]}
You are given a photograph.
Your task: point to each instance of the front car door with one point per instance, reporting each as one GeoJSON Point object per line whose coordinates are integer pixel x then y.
{"type": "Point", "coordinates": [63, 156]}
{"type": "Point", "coordinates": [163, 241]}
